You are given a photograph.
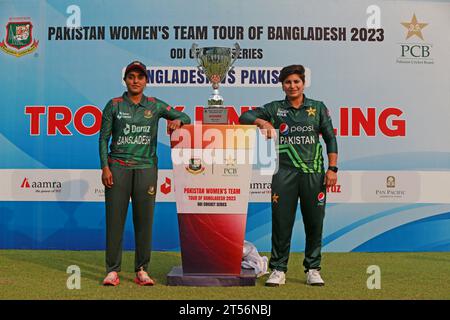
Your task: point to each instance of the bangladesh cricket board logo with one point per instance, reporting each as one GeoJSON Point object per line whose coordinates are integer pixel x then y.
{"type": "Point", "coordinates": [19, 38]}
{"type": "Point", "coordinates": [195, 166]}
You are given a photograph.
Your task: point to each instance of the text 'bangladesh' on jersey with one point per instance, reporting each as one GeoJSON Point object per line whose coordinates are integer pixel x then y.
{"type": "Point", "coordinates": [134, 129]}
{"type": "Point", "coordinates": [299, 129]}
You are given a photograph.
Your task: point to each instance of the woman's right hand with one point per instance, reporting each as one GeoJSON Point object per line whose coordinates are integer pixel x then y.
{"type": "Point", "coordinates": [107, 178]}
{"type": "Point", "coordinates": [266, 128]}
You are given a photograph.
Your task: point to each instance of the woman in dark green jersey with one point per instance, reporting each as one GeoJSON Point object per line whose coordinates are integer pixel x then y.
{"type": "Point", "coordinates": [300, 122]}
{"type": "Point", "coordinates": [129, 169]}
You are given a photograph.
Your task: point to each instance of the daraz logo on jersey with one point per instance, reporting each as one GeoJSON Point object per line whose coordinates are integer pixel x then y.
{"type": "Point", "coordinates": [126, 130]}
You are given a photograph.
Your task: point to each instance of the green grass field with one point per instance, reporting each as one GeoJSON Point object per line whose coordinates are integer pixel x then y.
{"type": "Point", "coordinates": [33, 274]}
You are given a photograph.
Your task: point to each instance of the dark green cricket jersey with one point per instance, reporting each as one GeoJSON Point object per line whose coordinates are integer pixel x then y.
{"type": "Point", "coordinates": [299, 146]}
{"type": "Point", "coordinates": [134, 129]}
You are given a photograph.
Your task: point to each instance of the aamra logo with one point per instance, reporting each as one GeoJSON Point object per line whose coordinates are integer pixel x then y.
{"type": "Point", "coordinates": [25, 183]}
{"type": "Point", "coordinates": [41, 186]}
{"type": "Point", "coordinates": [19, 38]}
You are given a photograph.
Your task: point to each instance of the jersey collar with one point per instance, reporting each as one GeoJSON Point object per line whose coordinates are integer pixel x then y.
{"type": "Point", "coordinates": [306, 103]}
{"type": "Point", "coordinates": [142, 103]}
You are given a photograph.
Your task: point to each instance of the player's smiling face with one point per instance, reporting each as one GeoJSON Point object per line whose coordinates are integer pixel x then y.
{"type": "Point", "coordinates": [135, 82]}
{"type": "Point", "coordinates": [293, 86]}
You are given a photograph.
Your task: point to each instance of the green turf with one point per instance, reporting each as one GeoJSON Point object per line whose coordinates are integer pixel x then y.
{"type": "Point", "coordinates": [33, 274]}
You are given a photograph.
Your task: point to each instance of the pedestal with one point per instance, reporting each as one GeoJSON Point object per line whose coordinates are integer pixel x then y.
{"type": "Point", "coordinates": [176, 277]}
{"type": "Point", "coordinates": [212, 166]}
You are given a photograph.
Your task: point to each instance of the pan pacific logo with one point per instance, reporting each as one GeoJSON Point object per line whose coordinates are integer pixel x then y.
{"type": "Point", "coordinates": [19, 37]}
{"type": "Point", "coordinates": [414, 50]}
{"type": "Point", "coordinates": [391, 191]}
{"type": "Point", "coordinates": [390, 182]}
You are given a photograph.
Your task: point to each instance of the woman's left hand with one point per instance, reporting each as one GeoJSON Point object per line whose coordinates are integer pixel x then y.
{"type": "Point", "coordinates": [330, 178]}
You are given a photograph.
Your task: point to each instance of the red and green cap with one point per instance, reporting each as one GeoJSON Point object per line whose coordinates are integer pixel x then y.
{"type": "Point", "coordinates": [136, 65]}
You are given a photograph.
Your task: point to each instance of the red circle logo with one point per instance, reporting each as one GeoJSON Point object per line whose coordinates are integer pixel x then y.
{"type": "Point", "coordinates": [321, 197]}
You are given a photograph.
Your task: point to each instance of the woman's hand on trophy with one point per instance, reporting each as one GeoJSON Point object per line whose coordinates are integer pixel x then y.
{"type": "Point", "coordinates": [173, 125]}
{"type": "Point", "coordinates": [266, 128]}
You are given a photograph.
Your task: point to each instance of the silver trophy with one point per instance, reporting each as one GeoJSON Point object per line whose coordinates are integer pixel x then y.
{"type": "Point", "coordinates": [215, 63]}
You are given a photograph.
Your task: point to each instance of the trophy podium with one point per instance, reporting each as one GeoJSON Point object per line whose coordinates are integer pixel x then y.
{"type": "Point", "coordinates": [212, 169]}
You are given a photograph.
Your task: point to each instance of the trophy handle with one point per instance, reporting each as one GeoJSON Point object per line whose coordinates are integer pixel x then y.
{"type": "Point", "coordinates": [236, 50]}
{"type": "Point", "coordinates": [196, 52]}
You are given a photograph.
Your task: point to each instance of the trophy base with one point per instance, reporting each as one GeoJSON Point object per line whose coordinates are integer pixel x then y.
{"type": "Point", "coordinates": [176, 277]}
{"type": "Point", "coordinates": [215, 115]}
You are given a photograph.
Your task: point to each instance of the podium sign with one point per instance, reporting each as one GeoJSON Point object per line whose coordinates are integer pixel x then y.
{"type": "Point", "coordinates": [212, 167]}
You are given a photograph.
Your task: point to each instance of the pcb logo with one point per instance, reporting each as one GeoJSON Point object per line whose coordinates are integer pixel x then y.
{"type": "Point", "coordinates": [19, 38]}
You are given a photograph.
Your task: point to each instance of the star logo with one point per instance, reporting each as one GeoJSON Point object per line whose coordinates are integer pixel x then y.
{"type": "Point", "coordinates": [311, 112]}
{"type": "Point", "coordinates": [230, 161]}
{"type": "Point", "coordinates": [275, 198]}
{"type": "Point", "coordinates": [414, 27]}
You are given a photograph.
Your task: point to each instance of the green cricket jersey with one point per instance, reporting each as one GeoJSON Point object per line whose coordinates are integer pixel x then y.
{"type": "Point", "coordinates": [134, 129]}
{"type": "Point", "coordinates": [299, 129]}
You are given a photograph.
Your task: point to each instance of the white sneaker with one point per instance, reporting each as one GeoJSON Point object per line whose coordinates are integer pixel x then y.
{"type": "Point", "coordinates": [313, 278]}
{"type": "Point", "coordinates": [276, 278]}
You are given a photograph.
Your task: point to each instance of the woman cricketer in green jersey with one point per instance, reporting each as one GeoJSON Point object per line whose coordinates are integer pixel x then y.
{"type": "Point", "coordinates": [300, 122]}
{"type": "Point", "coordinates": [129, 169]}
